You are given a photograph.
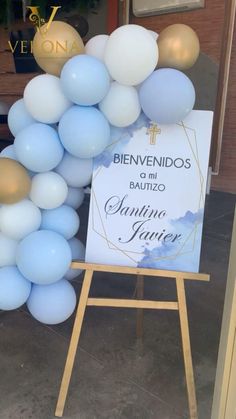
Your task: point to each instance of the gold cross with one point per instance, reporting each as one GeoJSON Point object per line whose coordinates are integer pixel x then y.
{"type": "Point", "coordinates": [153, 131]}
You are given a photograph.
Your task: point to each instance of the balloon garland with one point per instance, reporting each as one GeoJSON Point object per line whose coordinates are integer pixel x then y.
{"type": "Point", "coordinates": [65, 119]}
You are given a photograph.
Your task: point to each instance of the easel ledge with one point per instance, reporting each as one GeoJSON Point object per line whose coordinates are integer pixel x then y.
{"type": "Point", "coordinates": [140, 271]}
{"type": "Point", "coordinates": [140, 304]}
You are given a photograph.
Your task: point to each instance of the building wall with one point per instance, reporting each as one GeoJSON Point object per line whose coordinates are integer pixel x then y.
{"type": "Point", "coordinates": [11, 84]}
{"type": "Point", "coordinates": [226, 181]}
{"type": "Point", "coordinates": [208, 23]}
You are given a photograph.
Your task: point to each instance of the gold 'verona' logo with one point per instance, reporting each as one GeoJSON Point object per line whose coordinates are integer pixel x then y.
{"type": "Point", "coordinates": [25, 46]}
{"type": "Point", "coordinates": [39, 22]}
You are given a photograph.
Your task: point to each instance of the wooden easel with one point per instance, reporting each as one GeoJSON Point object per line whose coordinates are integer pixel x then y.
{"type": "Point", "coordinates": [179, 305]}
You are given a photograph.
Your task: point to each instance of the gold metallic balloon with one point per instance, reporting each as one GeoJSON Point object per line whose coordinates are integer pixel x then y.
{"type": "Point", "coordinates": [54, 46]}
{"type": "Point", "coordinates": [15, 182]}
{"type": "Point", "coordinates": [178, 47]}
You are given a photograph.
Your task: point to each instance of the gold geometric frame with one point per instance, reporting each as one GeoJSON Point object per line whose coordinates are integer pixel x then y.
{"type": "Point", "coordinates": [192, 234]}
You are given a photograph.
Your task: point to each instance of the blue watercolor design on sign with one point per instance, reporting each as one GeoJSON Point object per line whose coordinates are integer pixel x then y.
{"type": "Point", "coordinates": [120, 137]}
{"type": "Point", "coordinates": [167, 251]}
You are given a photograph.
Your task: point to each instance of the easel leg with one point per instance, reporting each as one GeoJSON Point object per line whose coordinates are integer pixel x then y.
{"type": "Point", "coordinates": [186, 348]}
{"type": "Point", "coordinates": [139, 294]}
{"type": "Point", "coordinates": [74, 343]}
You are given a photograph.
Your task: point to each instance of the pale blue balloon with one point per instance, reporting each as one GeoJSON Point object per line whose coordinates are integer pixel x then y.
{"type": "Point", "coordinates": [84, 131]}
{"type": "Point", "coordinates": [38, 148]}
{"type": "Point", "coordinates": [85, 80]}
{"type": "Point", "coordinates": [7, 250]}
{"type": "Point", "coordinates": [76, 172]}
{"type": "Point", "coordinates": [63, 220]}
{"type": "Point", "coordinates": [167, 96]}
{"type": "Point", "coordinates": [52, 304]}
{"type": "Point", "coordinates": [18, 117]}
{"type": "Point", "coordinates": [78, 253]}
{"type": "Point", "coordinates": [43, 257]}
{"type": "Point", "coordinates": [9, 152]}
{"type": "Point", "coordinates": [75, 197]}
{"type": "Point", "coordinates": [14, 288]}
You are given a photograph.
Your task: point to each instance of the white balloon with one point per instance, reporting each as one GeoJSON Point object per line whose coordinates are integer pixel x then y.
{"type": "Point", "coordinates": [96, 46]}
{"type": "Point", "coordinates": [44, 99]}
{"type": "Point", "coordinates": [131, 54]}
{"type": "Point", "coordinates": [153, 34]}
{"type": "Point", "coordinates": [121, 105]}
{"type": "Point", "coordinates": [75, 197]}
{"type": "Point", "coordinates": [76, 172]}
{"type": "Point", "coordinates": [7, 251]}
{"type": "Point", "coordinates": [49, 190]}
{"type": "Point", "coordinates": [20, 219]}
{"type": "Point", "coordinates": [78, 253]}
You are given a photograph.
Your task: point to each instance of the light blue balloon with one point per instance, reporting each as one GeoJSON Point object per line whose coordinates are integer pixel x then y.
{"type": "Point", "coordinates": [167, 96]}
{"type": "Point", "coordinates": [75, 197]}
{"type": "Point", "coordinates": [18, 117]}
{"type": "Point", "coordinates": [63, 220]}
{"type": "Point", "coordinates": [43, 257]}
{"type": "Point", "coordinates": [85, 80]}
{"type": "Point", "coordinates": [78, 253]}
{"type": "Point", "coordinates": [7, 250]}
{"type": "Point", "coordinates": [14, 288]}
{"type": "Point", "coordinates": [38, 148]}
{"type": "Point", "coordinates": [9, 152]}
{"type": "Point", "coordinates": [84, 131]}
{"type": "Point", "coordinates": [52, 304]}
{"type": "Point", "coordinates": [76, 172]}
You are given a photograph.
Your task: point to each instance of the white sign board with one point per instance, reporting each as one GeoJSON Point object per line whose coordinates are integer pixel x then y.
{"type": "Point", "coordinates": [148, 194]}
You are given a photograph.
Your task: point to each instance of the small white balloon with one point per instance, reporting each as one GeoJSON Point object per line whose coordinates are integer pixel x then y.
{"type": "Point", "coordinates": [153, 34]}
{"type": "Point", "coordinates": [20, 219]}
{"type": "Point", "coordinates": [49, 190]}
{"type": "Point", "coordinates": [75, 197]}
{"type": "Point", "coordinates": [45, 100]}
{"type": "Point", "coordinates": [76, 172]}
{"type": "Point", "coordinates": [96, 46]}
{"type": "Point", "coordinates": [121, 105]}
{"type": "Point", "coordinates": [7, 251]}
{"type": "Point", "coordinates": [131, 54]}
